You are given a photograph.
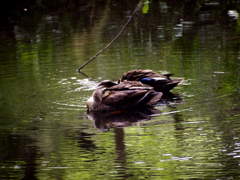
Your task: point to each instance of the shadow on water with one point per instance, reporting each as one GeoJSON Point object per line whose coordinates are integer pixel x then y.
{"type": "Point", "coordinates": [104, 121]}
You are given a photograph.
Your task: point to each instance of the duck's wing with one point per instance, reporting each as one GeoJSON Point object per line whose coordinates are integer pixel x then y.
{"type": "Point", "coordinates": [131, 96]}
{"type": "Point", "coordinates": [136, 75]}
{"type": "Point", "coordinates": [118, 97]}
{"type": "Point", "coordinates": [132, 84]}
{"type": "Point", "coordinates": [158, 81]}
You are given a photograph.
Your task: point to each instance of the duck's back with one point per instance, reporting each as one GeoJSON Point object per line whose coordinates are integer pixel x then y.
{"type": "Point", "coordinates": [161, 83]}
{"type": "Point", "coordinates": [136, 75]}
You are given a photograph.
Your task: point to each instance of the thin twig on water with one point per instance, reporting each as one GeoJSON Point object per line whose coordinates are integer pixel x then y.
{"type": "Point", "coordinates": [138, 6]}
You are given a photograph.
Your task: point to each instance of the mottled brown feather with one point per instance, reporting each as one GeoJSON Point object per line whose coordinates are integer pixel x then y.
{"type": "Point", "coordinates": [122, 96]}
{"type": "Point", "coordinates": [162, 83]}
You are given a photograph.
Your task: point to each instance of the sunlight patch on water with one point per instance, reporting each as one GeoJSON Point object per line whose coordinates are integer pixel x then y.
{"type": "Point", "coordinates": [167, 154]}
{"type": "Point", "coordinates": [69, 105]}
{"type": "Point", "coordinates": [173, 112]}
{"type": "Point", "coordinates": [181, 158]}
{"type": "Point", "coordinates": [64, 81]}
{"type": "Point", "coordinates": [233, 13]}
{"type": "Point", "coordinates": [176, 159]}
{"type": "Point", "coordinates": [139, 162]}
{"type": "Point", "coordinates": [187, 82]}
{"type": "Point", "coordinates": [218, 72]}
{"type": "Point", "coordinates": [56, 167]}
{"type": "Point", "coordinates": [86, 85]}
{"type": "Point", "coordinates": [191, 122]}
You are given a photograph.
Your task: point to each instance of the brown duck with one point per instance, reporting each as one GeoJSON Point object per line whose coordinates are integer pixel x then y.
{"type": "Point", "coordinates": [110, 96]}
{"type": "Point", "coordinates": [160, 83]}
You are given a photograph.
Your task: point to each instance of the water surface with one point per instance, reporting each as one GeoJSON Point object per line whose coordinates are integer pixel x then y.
{"type": "Point", "coordinates": [46, 132]}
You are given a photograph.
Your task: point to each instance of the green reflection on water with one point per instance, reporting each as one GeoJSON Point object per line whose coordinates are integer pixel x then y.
{"type": "Point", "coordinates": [45, 132]}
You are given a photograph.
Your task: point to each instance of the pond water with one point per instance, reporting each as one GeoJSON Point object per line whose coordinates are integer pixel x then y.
{"type": "Point", "coordinates": [46, 132]}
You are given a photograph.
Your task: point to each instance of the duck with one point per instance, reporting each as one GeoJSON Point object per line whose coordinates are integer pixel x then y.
{"type": "Point", "coordinates": [112, 96]}
{"type": "Point", "coordinates": [160, 83]}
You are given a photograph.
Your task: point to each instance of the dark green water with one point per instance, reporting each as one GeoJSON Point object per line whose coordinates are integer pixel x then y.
{"type": "Point", "coordinates": [46, 133]}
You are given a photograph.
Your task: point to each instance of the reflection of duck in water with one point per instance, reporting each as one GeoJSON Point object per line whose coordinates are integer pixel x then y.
{"type": "Point", "coordinates": [110, 96]}
{"type": "Point", "coordinates": [106, 120]}
{"type": "Point", "coordinates": [160, 83]}
{"type": "Point", "coordinates": [170, 98]}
